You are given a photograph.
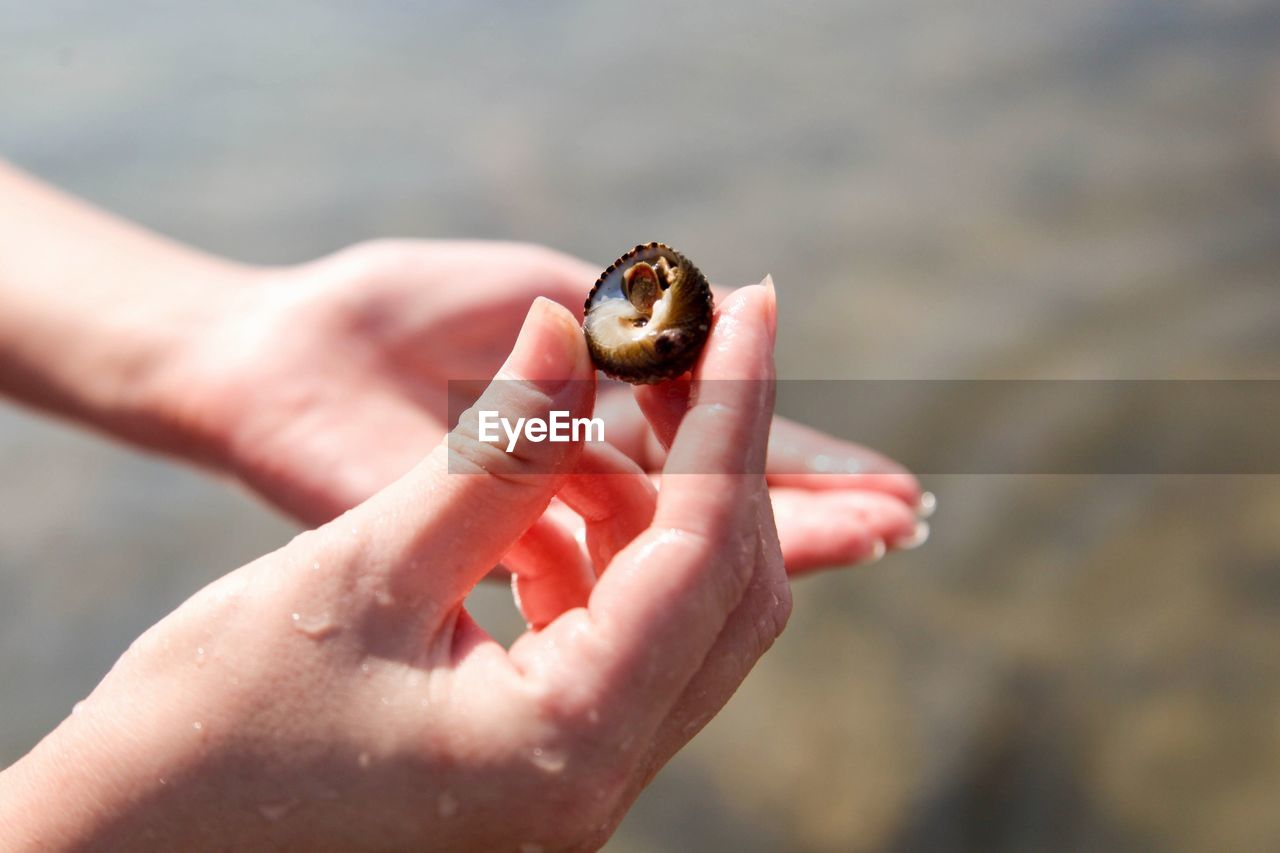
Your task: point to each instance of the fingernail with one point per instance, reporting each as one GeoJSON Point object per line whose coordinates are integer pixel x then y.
{"type": "Point", "coordinates": [927, 504]}
{"type": "Point", "coordinates": [772, 306]}
{"type": "Point", "coordinates": [916, 538]}
{"type": "Point", "coordinates": [546, 353]}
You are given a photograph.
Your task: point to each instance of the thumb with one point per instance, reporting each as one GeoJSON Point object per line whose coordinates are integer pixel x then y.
{"type": "Point", "coordinates": [450, 520]}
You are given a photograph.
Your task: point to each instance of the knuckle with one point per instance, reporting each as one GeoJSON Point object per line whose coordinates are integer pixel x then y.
{"type": "Point", "coordinates": [469, 453]}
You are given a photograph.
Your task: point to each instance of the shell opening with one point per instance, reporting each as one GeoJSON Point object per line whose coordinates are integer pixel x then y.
{"type": "Point", "coordinates": [647, 317]}
{"type": "Point", "coordinates": [644, 283]}
{"type": "Point", "coordinates": [618, 322]}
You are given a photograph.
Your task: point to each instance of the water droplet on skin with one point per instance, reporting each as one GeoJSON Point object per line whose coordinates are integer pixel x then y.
{"type": "Point", "coordinates": [548, 759]}
{"type": "Point", "coordinates": [198, 726]}
{"type": "Point", "coordinates": [78, 707]}
{"type": "Point", "coordinates": [364, 667]}
{"type": "Point", "coordinates": [692, 726]}
{"type": "Point", "coordinates": [446, 804]}
{"type": "Point", "coordinates": [315, 567]}
{"type": "Point", "coordinates": [593, 716]}
{"type": "Point", "coordinates": [364, 759]}
{"type": "Point", "coordinates": [927, 505]}
{"type": "Point", "coordinates": [877, 552]}
{"type": "Point", "coordinates": [383, 598]}
{"type": "Point", "coordinates": [317, 626]}
{"type": "Point", "coordinates": [200, 657]}
{"type": "Point", "coordinates": [386, 701]}
{"type": "Point", "coordinates": [275, 811]}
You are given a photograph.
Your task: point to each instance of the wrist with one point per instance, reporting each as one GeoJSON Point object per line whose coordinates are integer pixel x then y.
{"type": "Point", "coordinates": [112, 356]}
{"type": "Point", "coordinates": [99, 313]}
{"type": "Point", "coordinates": [153, 395]}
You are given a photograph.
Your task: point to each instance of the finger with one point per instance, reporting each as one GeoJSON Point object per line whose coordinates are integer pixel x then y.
{"type": "Point", "coordinates": [629, 429]}
{"type": "Point", "coordinates": [444, 525]}
{"type": "Point", "coordinates": [799, 456]}
{"type": "Point", "coordinates": [608, 500]}
{"type": "Point", "coordinates": [748, 633]}
{"type": "Point", "coordinates": [802, 457]}
{"type": "Point", "coordinates": [614, 497]}
{"type": "Point", "coordinates": [824, 530]}
{"type": "Point", "coordinates": [725, 429]}
{"type": "Point", "coordinates": [665, 599]}
{"type": "Point", "coordinates": [663, 405]}
{"type": "Point", "coordinates": [549, 571]}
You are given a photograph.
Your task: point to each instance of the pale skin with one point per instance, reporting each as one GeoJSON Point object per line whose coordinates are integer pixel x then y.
{"type": "Point", "coordinates": [382, 717]}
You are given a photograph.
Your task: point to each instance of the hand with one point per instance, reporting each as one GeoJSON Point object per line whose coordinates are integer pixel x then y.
{"type": "Point", "coordinates": [322, 383]}
{"type": "Point", "coordinates": [318, 385]}
{"type": "Point", "coordinates": [334, 695]}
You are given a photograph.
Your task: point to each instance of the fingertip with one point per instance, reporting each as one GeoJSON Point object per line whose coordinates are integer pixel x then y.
{"type": "Point", "coordinates": [551, 308]}
{"type": "Point", "coordinates": [550, 350]}
{"type": "Point", "coordinates": [771, 306]}
{"type": "Point", "coordinates": [741, 343]}
{"type": "Point", "coordinates": [918, 535]}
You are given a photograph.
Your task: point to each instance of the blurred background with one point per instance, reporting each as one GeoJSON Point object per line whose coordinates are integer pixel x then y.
{"type": "Point", "coordinates": [991, 189]}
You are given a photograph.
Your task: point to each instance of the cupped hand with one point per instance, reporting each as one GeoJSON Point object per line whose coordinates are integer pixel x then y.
{"type": "Point", "coordinates": [335, 695]}
{"type": "Point", "coordinates": [323, 383]}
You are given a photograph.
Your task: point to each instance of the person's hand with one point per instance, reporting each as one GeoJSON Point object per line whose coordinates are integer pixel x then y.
{"type": "Point", "coordinates": [335, 695]}
{"type": "Point", "coordinates": [317, 385]}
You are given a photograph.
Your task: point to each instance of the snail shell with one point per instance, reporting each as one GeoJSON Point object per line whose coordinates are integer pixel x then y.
{"type": "Point", "coordinates": [648, 315]}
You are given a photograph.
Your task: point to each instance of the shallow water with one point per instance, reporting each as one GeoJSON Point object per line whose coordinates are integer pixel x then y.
{"type": "Point", "coordinates": [943, 191]}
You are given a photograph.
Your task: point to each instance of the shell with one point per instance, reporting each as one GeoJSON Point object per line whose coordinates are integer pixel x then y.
{"type": "Point", "coordinates": [648, 316]}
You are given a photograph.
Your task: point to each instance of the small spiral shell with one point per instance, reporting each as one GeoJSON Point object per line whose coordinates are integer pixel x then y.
{"type": "Point", "coordinates": [648, 315]}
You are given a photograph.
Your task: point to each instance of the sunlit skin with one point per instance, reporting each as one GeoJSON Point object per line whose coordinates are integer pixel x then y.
{"type": "Point", "coordinates": [334, 694]}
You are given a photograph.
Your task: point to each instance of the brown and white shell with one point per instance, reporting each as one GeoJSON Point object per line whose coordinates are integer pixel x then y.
{"type": "Point", "coordinates": [648, 316]}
